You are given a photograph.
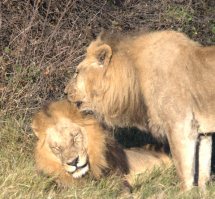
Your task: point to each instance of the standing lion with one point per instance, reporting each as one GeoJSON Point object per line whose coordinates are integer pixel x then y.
{"type": "Point", "coordinates": [159, 81]}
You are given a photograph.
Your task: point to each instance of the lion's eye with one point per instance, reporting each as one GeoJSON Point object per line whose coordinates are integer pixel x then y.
{"type": "Point", "coordinates": [76, 138]}
{"type": "Point", "coordinates": [56, 149]}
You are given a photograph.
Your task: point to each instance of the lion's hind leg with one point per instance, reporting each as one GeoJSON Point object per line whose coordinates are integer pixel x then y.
{"type": "Point", "coordinates": [182, 139]}
{"type": "Point", "coordinates": [205, 153]}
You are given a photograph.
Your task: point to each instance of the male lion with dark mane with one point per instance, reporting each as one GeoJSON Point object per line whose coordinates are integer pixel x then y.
{"type": "Point", "coordinates": [71, 144]}
{"type": "Point", "coordinates": [162, 82]}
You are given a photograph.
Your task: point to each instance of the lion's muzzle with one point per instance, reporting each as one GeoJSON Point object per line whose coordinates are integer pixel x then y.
{"type": "Point", "coordinates": [77, 167]}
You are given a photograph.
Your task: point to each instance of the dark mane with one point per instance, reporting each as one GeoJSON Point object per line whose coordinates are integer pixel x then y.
{"type": "Point", "coordinates": [114, 39]}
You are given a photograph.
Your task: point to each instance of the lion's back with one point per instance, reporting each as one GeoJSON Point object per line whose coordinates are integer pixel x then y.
{"type": "Point", "coordinates": [176, 75]}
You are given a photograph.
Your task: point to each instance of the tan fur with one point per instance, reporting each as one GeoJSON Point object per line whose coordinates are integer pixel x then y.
{"type": "Point", "coordinates": [104, 154]}
{"type": "Point", "coordinates": [160, 81]}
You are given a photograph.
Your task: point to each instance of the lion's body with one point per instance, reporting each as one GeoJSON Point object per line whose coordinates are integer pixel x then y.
{"type": "Point", "coordinates": [103, 153]}
{"type": "Point", "coordinates": [162, 82]}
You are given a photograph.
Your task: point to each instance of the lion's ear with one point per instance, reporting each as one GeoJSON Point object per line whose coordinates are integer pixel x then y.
{"type": "Point", "coordinates": [36, 131]}
{"type": "Point", "coordinates": [37, 124]}
{"type": "Point", "coordinates": [103, 55]}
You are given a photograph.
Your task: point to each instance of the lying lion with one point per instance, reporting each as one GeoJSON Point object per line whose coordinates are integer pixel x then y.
{"type": "Point", "coordinates": [162, 82]}
{"type": "Point", "coordinates": [70, 145]}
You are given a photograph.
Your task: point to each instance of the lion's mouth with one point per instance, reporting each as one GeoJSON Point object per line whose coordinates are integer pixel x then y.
{"type": "Point", "coordinates": [78, 171]}
{"type": "Point", "coordinates": [81, 171]}
{"type": "Point", "coordinates": [81, 167]}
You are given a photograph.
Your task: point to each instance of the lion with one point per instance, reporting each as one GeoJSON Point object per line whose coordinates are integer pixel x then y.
{"type": "Point", "coordinates": [161, 82]}
{"type": "Point", "coordinates": [71, 145]}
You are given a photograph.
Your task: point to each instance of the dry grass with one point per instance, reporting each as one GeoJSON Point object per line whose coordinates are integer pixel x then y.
{"type": "Point", "coordinates": [41, 42]}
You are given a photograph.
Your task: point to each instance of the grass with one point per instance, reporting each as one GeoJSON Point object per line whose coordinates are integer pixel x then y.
{"type": "Point", "coordinates": [19, 179]}
{"type": "Point", "coordinates": [179, 13]}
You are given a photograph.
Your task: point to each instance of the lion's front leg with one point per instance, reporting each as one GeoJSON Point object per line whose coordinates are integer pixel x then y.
{"type": "Point", "coordinates": [205, 152]}
{"type": "Point", "coordinates": [183, 145]}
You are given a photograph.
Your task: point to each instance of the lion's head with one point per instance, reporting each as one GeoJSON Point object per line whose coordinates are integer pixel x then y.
{"type": "Point", "coordinates": [68, 139]}
{"type": "Point", "coordinates": [68, 142]}
{"type": "Point", "coordinates": [107, 83]}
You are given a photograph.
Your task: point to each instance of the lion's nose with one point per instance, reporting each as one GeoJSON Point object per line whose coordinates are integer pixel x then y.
{"type": "Point", "coordinates": [78, 103]}
{"type": "Point", "coordinates": [73, 162]}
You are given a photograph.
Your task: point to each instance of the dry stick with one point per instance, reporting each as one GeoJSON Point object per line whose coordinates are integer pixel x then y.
{"type": "Point", "coordinates": [56, 27]}
{"type": "Point", "coordinates": [55, 30]}
{"type": "Point", "coordinates": [26, 30]}
{"type": "Point", "coordinates": [55, 56]}
{"type": "Point", "coordinates": [96, 14]}
{"type": "Point", "coordinates": [45, 21]}
{"type": "Point", "coordinates": [0, 15]}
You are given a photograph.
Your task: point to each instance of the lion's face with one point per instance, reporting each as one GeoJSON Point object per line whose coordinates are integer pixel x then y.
{"type": "Point", "coordinates": [68, 143]}
{"type": "Point", "coordinates": [77, 90]}
{"type": "Point", "coordinates": [87, 82]}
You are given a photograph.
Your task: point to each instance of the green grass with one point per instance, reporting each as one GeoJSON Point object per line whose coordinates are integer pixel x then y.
{"type": "Point", "coordinates": [179, 13]}
{"type": "Point", "coordinates": [19, 179]}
